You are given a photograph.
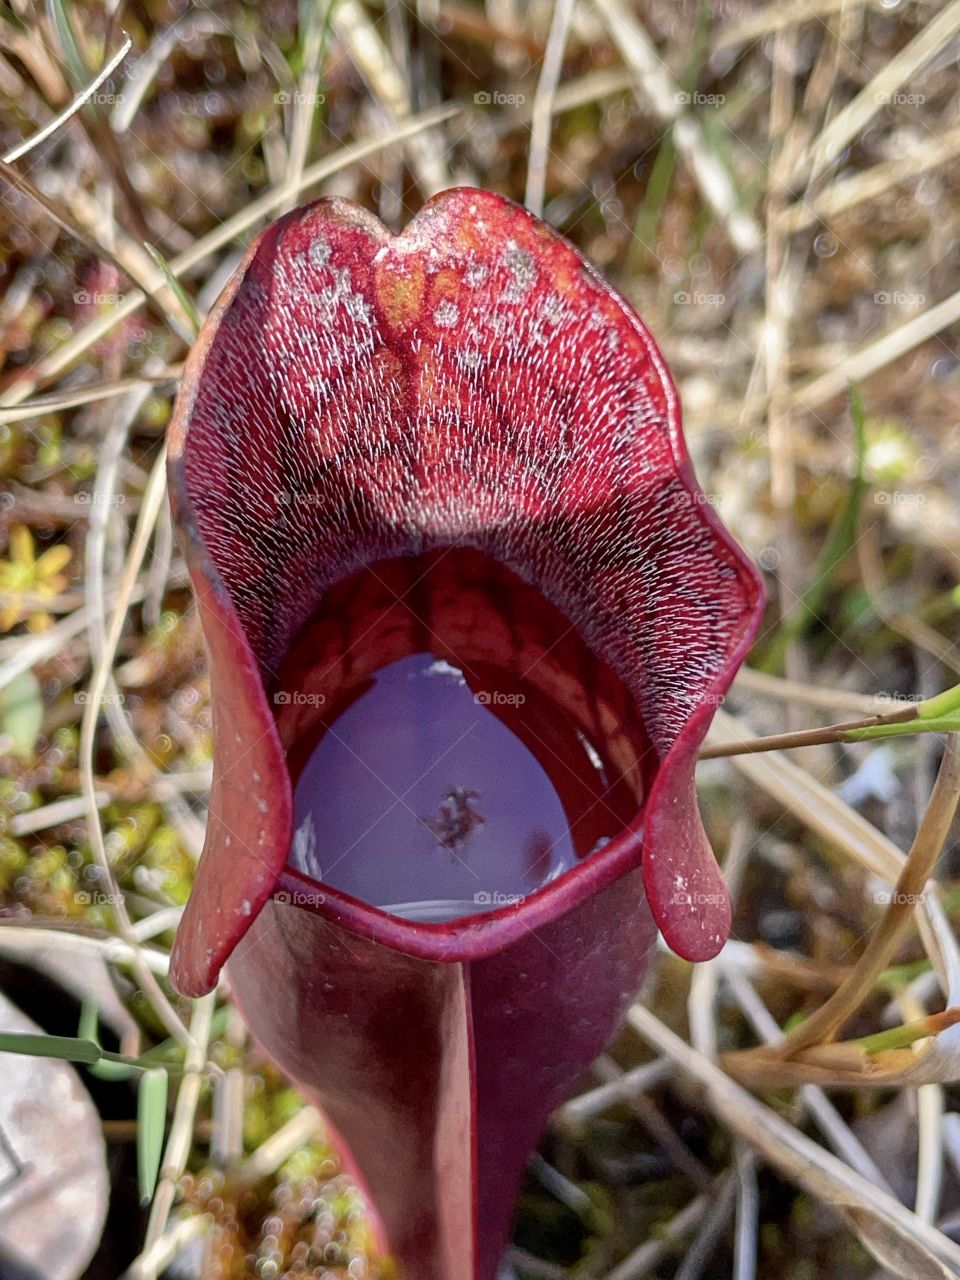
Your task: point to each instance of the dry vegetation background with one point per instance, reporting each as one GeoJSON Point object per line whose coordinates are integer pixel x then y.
{"type": "Point", "coordinates": [775, 188]}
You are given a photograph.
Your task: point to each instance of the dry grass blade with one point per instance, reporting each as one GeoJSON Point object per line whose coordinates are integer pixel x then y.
{"type": "Point", "coordinates": [542, 113]}
{"type": "Point", "coordinates": [107, 71]}
{"type": "Point", "coordinates": [87, 394]}
{"type": "Point", "coordinates": [848, 192]}
{"type": "Point", "coordinates": [159, 1256]}
{"type": "Point", "coordinates": [664, 98]}
{"type": "Point", "coordinates": [809, 1042]}
{"type": "Point", "coordinates": [280, 1146]}
{"type": "Point", "coordinates": [378, 68]}
{"type": "Point", "coordinates": [180, 1138]}
{"type": "Point", "coordinates": [824, 812]}
{"type": "Point", "coordinates": [155, 494]}
{"type": "Point", "coordinates": [776, 17]}
{"type": "Point", "coordinates": [882, 89]}
{"type": "Point", "coordinates": [811, 695]}
{"type": "Point", "coordinates": [897, 1238]}
{"type": "Point", "coordinates": [64, 356]}
{"type": "Point", "coordinates": [874, 356]}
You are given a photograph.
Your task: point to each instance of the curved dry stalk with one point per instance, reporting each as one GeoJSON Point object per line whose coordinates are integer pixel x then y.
{"type": "Point", "coordinates": [61, 358]}
{"type": "Point", "coordinates": [811, 695]}
{"type": "Point", "coordinates": [822, 1026]}
{"type": "Point", "coordinates": [806, 737]}
{"type": "Point", "coordinates": [895, 1236]}
{"type": "Point", "coordinates": [87, 394]}
{"type": "Point", "coordinates": [53, 125]}
{"type": "Point", "coordinates": [152, 498]}
{"type": "Point", "coordinates": [542, 115]}
{"type": "Point", "coordinates": [180, 1138]}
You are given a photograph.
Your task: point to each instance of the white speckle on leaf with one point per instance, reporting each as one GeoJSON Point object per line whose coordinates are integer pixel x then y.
{"type": "Point", "coordinates": [446, 314]}
{"type": "Point", "coordinates": [319, 252]}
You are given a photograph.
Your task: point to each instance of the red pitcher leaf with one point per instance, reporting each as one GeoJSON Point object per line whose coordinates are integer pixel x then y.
{"type": "Point", "coordinates": [468, 617]}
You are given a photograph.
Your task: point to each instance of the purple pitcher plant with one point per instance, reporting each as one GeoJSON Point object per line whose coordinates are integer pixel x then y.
{"type": "Point", "coordinates": [468, 617]}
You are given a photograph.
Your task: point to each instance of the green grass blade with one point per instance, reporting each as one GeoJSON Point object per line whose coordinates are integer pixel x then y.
{"type": "Point", "coordinates": [151, 1125]}
{"type": "Point", "coordinates": [69, 1048]}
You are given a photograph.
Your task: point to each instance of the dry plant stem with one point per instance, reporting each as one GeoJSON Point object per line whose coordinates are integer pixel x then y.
{"type": "Point", "coordinates": [158, 1257]}
{"type": "Point", "coordinates": [831, 1124]}
{"type": "Point", "coordinates": [372, 59]}
{"type": "Point", "coordinates": [822, 1026]}
{"type": "Point", "coordinates": [711, 1227]}
{"type": "Point", "coordinates": [776, 17]}
{"type": "Point", "coordinates": [181, 1130]}
{"type": "Point", "coordinates": [73, 108]}
{"type": "Point", "coordinates": [930, 1135]}
{"type": "Point", "coordinates": [550, 70]}
{"type": "Point", "coordinates": [811, 695]}
{"type": "Point", "coordinates": [68, 941]}
{"type": "Point", "coordinates": [649, 1255]}
{"type": "Point", "coordinates": [306, 99]}
{"type": "Point", "coordinates": [661, 95]}
{"type": "Point", "coordinates": [844, 829]}
{"type": "Point", "coordinates": [748, 1216]}
{"type": "Point", "coordinates": [912, 629]}
{"type": "Point", "coordinates": [874, 356]}
{"type": "Point", "coordinates": [878, 1218]}
{"type": "Point", "coordinates": [152, 499]}
{"type": "Point", "coordinates": [135, 264]}
{"type": "Point", "coordinates": [847, 193]}
{"type": "Point", "coordinates": [280, 1146]}
{"type": "Point", "coordinates": [855, 117]}
{"type": "Point", "coordinates": [656, 1124]}
{"type": "Point", "coordinates": [618, 1089]}
{"type": "Point", "coordinates": [804, 737]}
{"type": "Point", "coordinates": [50, 366]}
{"type": "Point", "coordinates": [85, 395]}
{"type": "Point", "coordinates": [779, 294]}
